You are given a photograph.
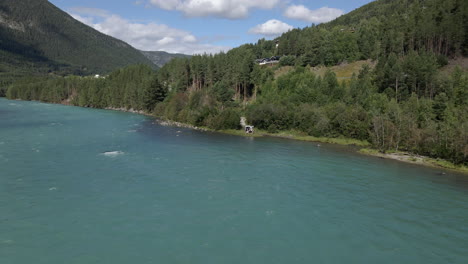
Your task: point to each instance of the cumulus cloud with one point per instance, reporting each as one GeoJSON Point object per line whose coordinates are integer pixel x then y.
{"type": "Point", "coordinates": [144, 36]}
{"type": "Point", "coordinates": [90, 11]}
{"type": "Point", "coordinates": [83, 19]}
{"type": "Point", "coordinates": [320, 15]}
{"type": "Point", "coordinates": [272, 27]}
{"type": "Point", "coordinates": [231, 9]}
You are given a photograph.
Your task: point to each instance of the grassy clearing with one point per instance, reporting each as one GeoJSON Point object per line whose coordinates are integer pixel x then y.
{"type": "Point", "coordinates": [344, 71]}
{"type": "Point", "coordinates": [303, 137]}
{"type": "Point", "coordinates": [296, 135]}
{"type": "Point", "coordinates": [283, 70]}
{"type": "Point", "coordinates": [447, 165]}
{"type": "Point", "coordinates": [461, 63]}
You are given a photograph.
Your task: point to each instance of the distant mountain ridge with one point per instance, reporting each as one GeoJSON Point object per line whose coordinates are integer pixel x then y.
{"type": "Point", "coordinates": [161, 57]}
{"type": "Point", "coordinates": [38, 37]}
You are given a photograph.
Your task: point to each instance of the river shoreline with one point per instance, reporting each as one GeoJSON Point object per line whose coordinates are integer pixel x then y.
{"type": "Point", "coordinates": [363, 146]}
{"type": "Point", "coordinates": [295, 135]}
{"type": "Point", "coordinates": [415, 159]}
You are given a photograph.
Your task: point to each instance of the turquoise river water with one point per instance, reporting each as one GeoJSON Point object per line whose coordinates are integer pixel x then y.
{"type": "Point", "coordinates": [82, 186]}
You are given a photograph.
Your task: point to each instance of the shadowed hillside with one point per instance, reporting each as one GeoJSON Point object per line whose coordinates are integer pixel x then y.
{"type": "Point", "coordinates": [37, 37]}
{"type": "Point", "coordinates": [161, 57]}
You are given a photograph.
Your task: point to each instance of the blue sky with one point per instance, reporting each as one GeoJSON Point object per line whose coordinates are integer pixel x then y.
{"type": "Point", "coordinates": [197, 26]}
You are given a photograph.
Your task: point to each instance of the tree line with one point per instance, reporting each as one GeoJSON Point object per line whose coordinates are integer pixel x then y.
{"type": "Point", "coordinates": [134, 87]}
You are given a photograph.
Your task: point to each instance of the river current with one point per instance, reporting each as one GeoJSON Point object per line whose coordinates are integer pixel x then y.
{"type": "Point", "coordinates": [82, 186]}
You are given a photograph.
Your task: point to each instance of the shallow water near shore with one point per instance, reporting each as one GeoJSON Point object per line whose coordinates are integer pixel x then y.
{"type": "Point", "coordinates": [84, 185]}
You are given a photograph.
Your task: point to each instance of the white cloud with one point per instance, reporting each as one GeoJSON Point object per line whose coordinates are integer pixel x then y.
{"type": "Point", "coordinates": [166, 4]}
{"type": "Point", "coordinates": [90, 11]}
{"type": "Point", "coordinates": [272, 27]}
{"type": "Point", "coordinates": [145, 36]}
{"type": "Point", "coordinates": [85, 20]}
{"type": "Point", "coordinates": [321, 15]}
{"type": "Point", "coordinates": [231, 9]}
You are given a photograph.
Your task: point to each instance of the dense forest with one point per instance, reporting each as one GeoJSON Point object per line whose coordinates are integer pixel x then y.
{"type": "Point", "coordinates": [402, 100]}
{"type": "Point", "coordinates": [134, 87]}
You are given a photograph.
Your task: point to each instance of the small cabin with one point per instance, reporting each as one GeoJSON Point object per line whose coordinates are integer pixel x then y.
{"type": "Point", "coordinates": [249, 129]}
{"type": "Point", "coordinates": [269, 61]}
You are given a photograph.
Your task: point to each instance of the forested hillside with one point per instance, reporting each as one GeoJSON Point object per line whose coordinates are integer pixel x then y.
{"type": "Point", "coordinates": [406, 102]}
{"type": "Point", "coordinates": [133, 87]}
{"type": "Point", "coordinates": [38, 38]}
{"type": "Point", "coordinates": [379, 29]}
{"type": "Point", "coordinates": [161, 57]}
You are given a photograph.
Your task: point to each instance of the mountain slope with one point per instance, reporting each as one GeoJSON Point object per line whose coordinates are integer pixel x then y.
{"type": "Point", "coordinates": [383, 27]}
{"type": "Point", "coordinates": [161, 57]}
{"type": "Point", "coordinates": [36, 33]}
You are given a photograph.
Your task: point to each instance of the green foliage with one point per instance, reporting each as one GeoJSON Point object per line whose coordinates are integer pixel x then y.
{"type": "Point", "coordinates": [221, 92]}
{"type": "Point", "coordinates": [312, 120]}
{"type": "Point", "coordinates": [153, 94]}
{"type": "Point", "coordinates": [226, 119]}
{"type": "Point", "coordinates": [287, 61]}
{"type": "Point", "coordinates": [439, 106]}
{"type": "Point", "coordinates": [270, 117]}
